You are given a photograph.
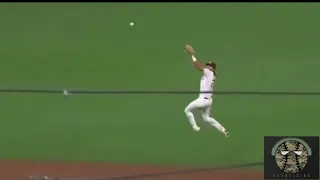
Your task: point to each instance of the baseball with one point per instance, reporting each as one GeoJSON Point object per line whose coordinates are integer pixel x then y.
{"type": "Point", "coordinates": [132, 24]}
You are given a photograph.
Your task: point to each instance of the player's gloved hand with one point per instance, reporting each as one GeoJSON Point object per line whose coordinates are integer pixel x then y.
{"type": "Point", "coordinates": [190, 49]}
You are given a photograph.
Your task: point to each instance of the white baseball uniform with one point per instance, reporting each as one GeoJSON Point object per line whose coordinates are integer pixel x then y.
{"type": "Point", "coordinates": [204, 102]}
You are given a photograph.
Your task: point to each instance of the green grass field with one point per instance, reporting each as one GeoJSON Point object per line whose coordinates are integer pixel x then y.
{"type": "Point", "coordinates": [269, 47]}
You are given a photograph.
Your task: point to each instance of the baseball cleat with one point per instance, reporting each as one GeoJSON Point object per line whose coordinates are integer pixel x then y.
{"type": "Point", "coordinates": [196, 128]}
{"type": "Point", "coordinates": [226, 133]}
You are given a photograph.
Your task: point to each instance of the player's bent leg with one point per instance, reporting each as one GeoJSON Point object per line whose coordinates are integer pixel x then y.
{"type": "Point", "coordinates": [189, 113]}
{"type": "Point", "coordinates": [191, 119]}
{"type": "Point", "coordinates": [205, 115]}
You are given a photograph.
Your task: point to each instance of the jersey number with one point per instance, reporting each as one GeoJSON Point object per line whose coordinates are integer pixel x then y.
{"type": "Point", "coordinates": [212, 83]}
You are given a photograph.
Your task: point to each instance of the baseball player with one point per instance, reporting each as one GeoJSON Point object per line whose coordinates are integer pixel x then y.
{"type": "Point", "coordinates": [204, 101]}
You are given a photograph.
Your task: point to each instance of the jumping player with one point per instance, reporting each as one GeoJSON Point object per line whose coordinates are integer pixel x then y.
{"type": "Point", "coordinates": [204, 101]}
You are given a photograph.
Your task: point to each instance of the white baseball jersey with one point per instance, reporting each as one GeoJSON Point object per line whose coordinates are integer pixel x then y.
{"type": "Point", "coordinates": [207, 83]}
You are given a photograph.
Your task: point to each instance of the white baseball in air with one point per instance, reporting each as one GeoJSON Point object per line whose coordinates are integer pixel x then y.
{"type": "Point", "coordinates": [131, 23]}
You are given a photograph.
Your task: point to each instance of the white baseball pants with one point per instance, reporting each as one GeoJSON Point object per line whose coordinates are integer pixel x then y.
{"type": "Point", "coordinates": [204, 104]}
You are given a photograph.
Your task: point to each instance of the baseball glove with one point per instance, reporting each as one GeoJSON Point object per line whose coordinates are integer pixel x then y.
{"type": "Point", "coordinates": [189, 49]}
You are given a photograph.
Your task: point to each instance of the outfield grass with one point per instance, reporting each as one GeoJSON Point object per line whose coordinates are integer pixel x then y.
{"type": "Point", "coordinates": [269, 47]}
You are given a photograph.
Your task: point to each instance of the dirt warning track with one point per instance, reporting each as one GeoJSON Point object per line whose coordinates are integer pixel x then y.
{"type": "Point", "coordinates": [19, 170]}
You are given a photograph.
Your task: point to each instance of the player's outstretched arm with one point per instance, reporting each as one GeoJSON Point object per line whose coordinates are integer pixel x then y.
{"type": "Point", "coordinates": [196, 63]}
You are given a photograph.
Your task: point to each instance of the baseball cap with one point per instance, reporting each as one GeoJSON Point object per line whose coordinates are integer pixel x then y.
{"type": "Point", "coordinates": [212, 64]}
